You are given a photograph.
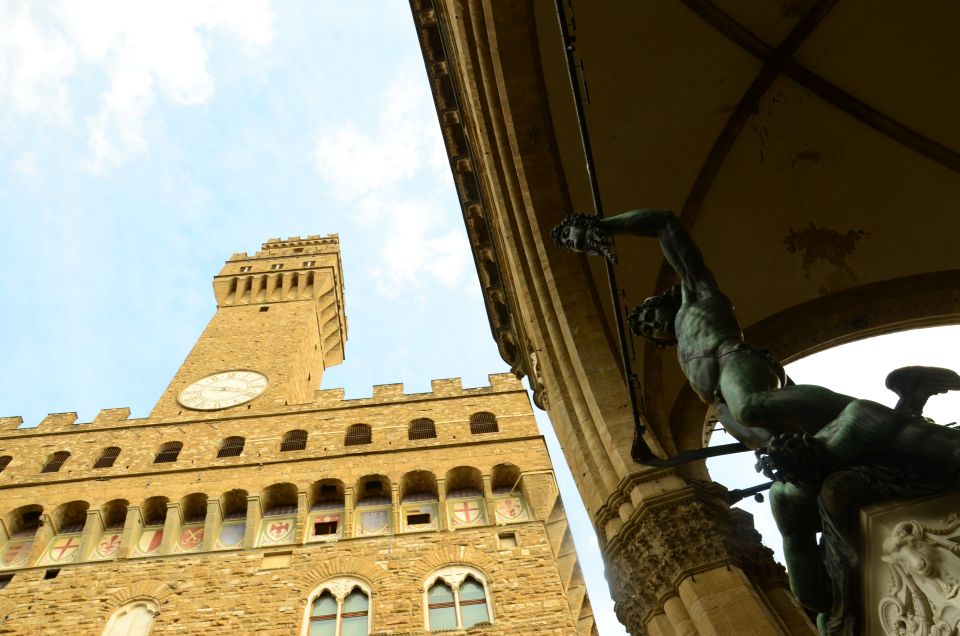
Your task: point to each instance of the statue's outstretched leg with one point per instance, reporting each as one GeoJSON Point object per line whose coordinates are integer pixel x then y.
{"type": "Point", "coordinates": [798, 519]}
{"type": "Point", "coordinates": [868, 431]}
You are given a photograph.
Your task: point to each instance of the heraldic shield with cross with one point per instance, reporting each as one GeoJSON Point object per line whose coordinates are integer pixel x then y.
{"type": "Point", "coordinates": [62, 549]}
{"type": "Point", "coordinates": [466, 512]}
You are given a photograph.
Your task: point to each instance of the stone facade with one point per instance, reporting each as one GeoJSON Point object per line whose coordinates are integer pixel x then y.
{"type": "Point", "coordinates": [238, 537]}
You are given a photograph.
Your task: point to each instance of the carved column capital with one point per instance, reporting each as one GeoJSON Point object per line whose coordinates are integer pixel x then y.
{"type": "Point", "coordinates": [675, 536]}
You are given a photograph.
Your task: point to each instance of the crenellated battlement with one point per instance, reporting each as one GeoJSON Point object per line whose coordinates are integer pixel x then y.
{"type": "Point", "coordinates": [293, 246]}
{"type": "Point", "coordinates": [323, 398]}
{"type": "Point", "coordinates": [443, 388]}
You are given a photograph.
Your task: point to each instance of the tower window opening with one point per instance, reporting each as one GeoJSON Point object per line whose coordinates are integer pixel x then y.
{"type": "Point", "coordinates": [245, 269]}
{"type": "Point", "coordinates": [483, 422]}
{"type": "Point", "coordinates": [328, 490]}
{"type": "Point", "coordinates": [418, 519]}
{"type": "Point", "coordinates": [51, 574]}
{"type": "Point", "coordinates": [277, 266]}
{"type": "Point", "coordinates": [5, 461]}
{"type": "Point", "coordinates": [324, 528]}
{"type": "Point", "coordinates": [168, 453]}
{"type": "Point", "coordinates": [358, 434]}
{"type": "Point", "coordinates": [5, 580]}
{"type": "Point", "coordinates": [375, 486]}
{"type": "Point", "coordinates": [293, 440]}
{"type": "Point", "coordinates": [298, 250]}
{"type": "Point", "coordinates": [309, 263]}
{"type": "Point", "coordinates": [422, 428]}
{"type": "Point", "coordinates": [231, 447]}
{"type": "Point", "coordinates": [108, 457]}
{"type": "Point", "coordinates": [264, 308]}
{"type": "Point", "coordinates": [55, 462]}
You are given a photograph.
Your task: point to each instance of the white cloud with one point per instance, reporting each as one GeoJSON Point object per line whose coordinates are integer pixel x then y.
{"type": "Point", "coordinates": [138, 49]}
{"type": "Point", "coordinates": [395, 173]}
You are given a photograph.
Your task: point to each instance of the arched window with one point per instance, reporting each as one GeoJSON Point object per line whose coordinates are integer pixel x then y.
{"type": "Point", "coordinates": [54, 462]}
{"type": "Point", "coordinates": [5, 461]}
{"type": "Point", "coordinates": [133, 619]}
{"type": "Point", "coordinates": [457, 598]}
{"type": "Point", "coordinates": [339, 607]}
{"type": "Point", "coordinates": [107, 457]}
{"type": "Point", "coordinates": [483, 422]}
{"type": "Point", "coordinates": [231, 447]}
{"type": "Point", "coordinates": [422, 428]}
{"type": "Point", "coordinates": [293, 440]}
{"type": "Point", "coordinates": [169, 451]}
{"type": "Point", "coordinates": [358, 434]}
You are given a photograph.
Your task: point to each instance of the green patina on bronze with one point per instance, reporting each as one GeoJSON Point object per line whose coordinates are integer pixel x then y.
{"type": "Point", "coordinates": [828, 452]}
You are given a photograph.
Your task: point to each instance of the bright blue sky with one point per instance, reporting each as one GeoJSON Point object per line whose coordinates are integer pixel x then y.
{"type": "Point", "coordinates": [142, 144]}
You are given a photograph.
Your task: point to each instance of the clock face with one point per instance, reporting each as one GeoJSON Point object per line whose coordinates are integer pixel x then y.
{"type": "Point", "coordinates": [223, 390]}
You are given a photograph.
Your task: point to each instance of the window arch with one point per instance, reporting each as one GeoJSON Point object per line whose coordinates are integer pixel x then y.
{"type": "Point", "coordinates": [5, 461]}
{"type": "Point", "coordinates": [55, 462]}
{"type": "Point", "coordinates": [358, 434]}
{"type": "Point", "coordinates": [169, 451]}
{"type": "Point", "coordinates": [422, 428]}
{"type": "Point", "coordinates": [107, 457]}
{"type": "Point", "coordinates": [133, 619]}
{"type": "Point", "coordinates": [231, 447]}
{"type": "Point", "coordinates": [293, 440]}
{"type": "Point", "coordinates": [483, 422]}
{"type": "Point", "coordinates": [456, 597]}
{"type": "Point", "coordinates": [338, 607]}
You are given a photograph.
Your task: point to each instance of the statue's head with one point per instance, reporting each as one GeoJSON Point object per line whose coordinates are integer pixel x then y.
{"type": "Point", "coordinates": [653, 319]}
{"type": "Point", "coordinates": [582, 233]}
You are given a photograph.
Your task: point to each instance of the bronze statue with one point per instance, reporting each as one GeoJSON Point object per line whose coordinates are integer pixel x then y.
{"type": "Point", "coordinates": [804, 433]}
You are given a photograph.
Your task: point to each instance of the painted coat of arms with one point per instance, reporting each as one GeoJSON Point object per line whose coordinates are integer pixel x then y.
{"type": "Point", "coordinates": [467, 512]}
{"type": "Point", "coordinates": [108, 547]}
{"type": "Point", "coordinates": [277, 530]}
{"type": "Point", "coordinates": [62, 550]}
{"type": "Point", "coordinates": [149, 543]}
{"type": "Point", "coordinates": [510, 509]}
{"type": "Point", "coordinates": [231, 535]}
{"type": "Point", "coordinates": [15, 554]}
{"type": "Point", "coordinates": [190, 539]}
{"type": "Point", "coordinates": [374, 521]}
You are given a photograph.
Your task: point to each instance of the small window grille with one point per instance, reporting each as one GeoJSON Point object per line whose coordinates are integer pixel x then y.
{"type": "Point", "coordinates": [298, 250]}
{"type": "Point", "coordinates": [358, 434]}
{"type": "Point", "coordinates": [309, 263]}
{"type": "Point", "coordinates": [264, 308]}
{"type": "Point", "coordinates": [293, 440]}
{"type": "Point", "coordinates": [169, 452]}
{"type": "Point", "coordinates": [231, 447]}
{"type": "Point", "coordinates": [422, 428]}
{"type": "Point", "coordinates": [277, 266]}
{"type": "Point", "coordinates": [245, 269]}
{"type": "Point", "coordinates": [324, 528]}
{"type": "Point", "coordinates": [5, 461]}
{"type": "Point", "coordinates": [55, 462]}
{"type": "Point", "coordinates": [483, 423]}
{"type": "Point", "coordinates": [107, 457]}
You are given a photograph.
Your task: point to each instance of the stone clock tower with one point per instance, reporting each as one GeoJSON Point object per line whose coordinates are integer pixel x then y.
{"type": "Point", "coordinates": [279, 323]}
{"type": "Point", "coordinates": [250, 501]}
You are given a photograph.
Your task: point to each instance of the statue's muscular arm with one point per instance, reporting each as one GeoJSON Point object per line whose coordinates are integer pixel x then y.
{"type": "Point", "coordinates": [678, 248]}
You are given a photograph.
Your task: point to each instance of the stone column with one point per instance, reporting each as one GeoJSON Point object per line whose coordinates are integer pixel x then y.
{"type": "Point", "coordinates": [348, 512]}
{"type": "Point", "coordinates": [491, 507]}
{"type": "Point", "coordinates": [300, 530]}
{"type": "Point", "coordinates": [92, 530]}
{"type": "Point", "coordinates": [395, 498]}
{"type": "Point", "coordinates": [442, 498]}
{"type": "Point", "coordinates": [682, 559]}
{"type": "Point", "coordinates": [211, 524]}
{"type": "Point", "coordinates": [254, 514]}
{"type": "Point", "coordinates": [41, 539]}
{"type": "Point", "coordinates": [171, 527]}
{"type": "Point", "coordinates": [132, 526]}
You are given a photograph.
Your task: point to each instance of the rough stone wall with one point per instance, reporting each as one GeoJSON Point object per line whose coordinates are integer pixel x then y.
{"type": "Point", "coordinates": [231, 591]}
